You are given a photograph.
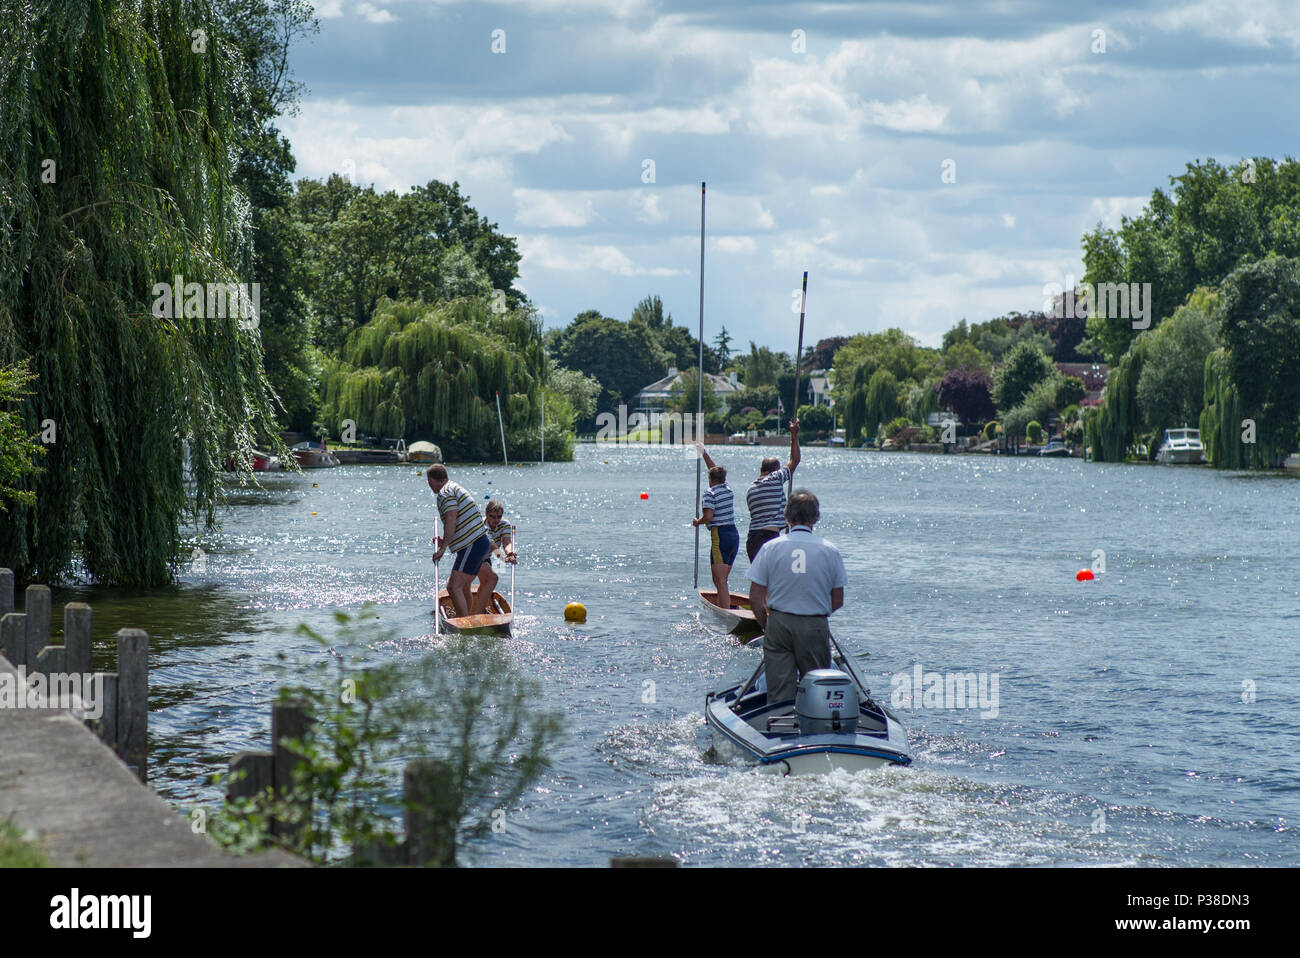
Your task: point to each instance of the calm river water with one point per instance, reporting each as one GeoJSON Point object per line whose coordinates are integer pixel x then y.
{"type": "Point", "coordinates": [1146, 718]}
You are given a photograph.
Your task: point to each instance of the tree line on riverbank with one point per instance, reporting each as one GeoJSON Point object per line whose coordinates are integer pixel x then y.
{"type": "Point", "coordinates": [142, 148]}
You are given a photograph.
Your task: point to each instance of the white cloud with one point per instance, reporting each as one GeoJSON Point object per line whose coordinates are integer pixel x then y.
{"type": "Point", "coordinates": [547, 253]}
{"type": "Point", "coordinates": [329, 9]}
{"type": "Point", "coordinates": [735, 244]}
{"type": "Point", "coordinates": [544, 209]}
{"type": "Point", "coordinates": [374, 14]}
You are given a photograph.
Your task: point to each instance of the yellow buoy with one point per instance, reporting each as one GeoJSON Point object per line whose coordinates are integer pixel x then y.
{"type": "Point", "coordinates": [575, 612]}
{"type": "Point", "coordinates": [315, 485]}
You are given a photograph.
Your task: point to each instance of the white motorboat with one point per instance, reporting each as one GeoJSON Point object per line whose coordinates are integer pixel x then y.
{"type": "Point", "coordinates": [832, 723]}
{"type": "Point", "coordinates": [1181, 447]}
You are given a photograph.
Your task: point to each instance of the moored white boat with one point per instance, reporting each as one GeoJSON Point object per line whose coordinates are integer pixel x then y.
{"type": "Point", "coordinates": [833, 723]}
{"type": "Point", "coordinates": [1181, 447]}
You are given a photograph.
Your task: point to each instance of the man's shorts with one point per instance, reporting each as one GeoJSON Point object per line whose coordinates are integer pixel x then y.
{"type": "Point", "coordinates": [471, 557]}
{"type": "Point", "coordinates": [757, 538]}
{"type": "Point", "coordinates": [726, 543]}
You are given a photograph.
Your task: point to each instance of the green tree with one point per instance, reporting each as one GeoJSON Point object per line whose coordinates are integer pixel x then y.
{"type": "Point", "coordinates": [261, 32]}
{"type": "Point", "coordinates": [1171, 388]}
{"type": "Point", "coordinates": [1260, 325]}
{"type": "Point", "coordinates": [623, 357]}
{"type": "Point", "coordinates": [816, 419]}
{"type": "Point", "coordinates": [764, 367]}
{"type": "Point", "coordinates": [684, 394]}
{"type": "Point", "coordinates": [18, 449]}
{"type": "Point", "coordinates": [1070, 392]}
{"type": "Point", "coordinates": [139, 126]}
{"type": "Point", "coordinates": [871, 403]}
{"type": "Point", "coordinates": [1025, 367]}
{"type": "Point", "coordinates": [424, 372]}
{"type": "Point", "coordinates": [722, 348]}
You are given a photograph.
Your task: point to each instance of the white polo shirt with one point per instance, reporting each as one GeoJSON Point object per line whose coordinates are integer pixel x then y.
{"type": "Point", "coordinates": [799, 569]}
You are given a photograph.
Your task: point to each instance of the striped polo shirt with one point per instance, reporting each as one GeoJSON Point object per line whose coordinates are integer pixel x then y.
{"type": "Point", "coordinates": [469, 521]}
{"type": "Point", "coordinates": [766, 500]}
{"type": "Point", "coordinates": [498, 535]}
{"type": "Point", "coordinates": [722, 501]}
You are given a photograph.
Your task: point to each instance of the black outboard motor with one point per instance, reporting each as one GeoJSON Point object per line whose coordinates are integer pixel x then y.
{"type": "Point", "coordinates": [826, 703]}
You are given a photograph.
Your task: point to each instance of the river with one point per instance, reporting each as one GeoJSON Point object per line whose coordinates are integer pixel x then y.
{"type": "Point", "coordinates": [1147, 717]}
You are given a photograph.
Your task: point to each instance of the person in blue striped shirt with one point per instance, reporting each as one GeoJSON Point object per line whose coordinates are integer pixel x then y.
{"type": "Point", "coordinates": [718, 514]}
{"type": "Point", "coordinates": [766, 496]}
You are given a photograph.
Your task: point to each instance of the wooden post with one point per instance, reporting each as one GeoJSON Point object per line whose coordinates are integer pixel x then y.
{"type": "Point", "coordinates": [133, 700]}
{"type": "Point", "coordinates": [51, 661]}
{"type": "Point", "coordinates": [6, 592]}
{"type": "Point", "coordinates": [431, 814]}
{"type": "Point", "coordinates": [288, 722]}
{"type": "Point", "coordinates": [76, 638]}
{"type": "Point", "coordinates": [257, 768]}
{"type": "Point", "coordinates": [108, 721]}
{"type": "Point", "coordinates": [38, 623]}
{"type": "Point", "coordinates": [13, 638]}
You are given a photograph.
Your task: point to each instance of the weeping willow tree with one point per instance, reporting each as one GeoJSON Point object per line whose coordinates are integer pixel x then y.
{"type": "Point", "coordinates": [873, 400]}
{"type": "Point", "coordinates": [1111, 429]}
{"type": "Point", "coordinates": [1221, 417]}
{"type": "Point", "coordinates": [115, 175]}
{"type": "Point", "coordinates": [433, 372]}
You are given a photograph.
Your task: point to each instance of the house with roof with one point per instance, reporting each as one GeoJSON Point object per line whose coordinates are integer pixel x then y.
{"type": "Point", "coordinates": [652, 398]}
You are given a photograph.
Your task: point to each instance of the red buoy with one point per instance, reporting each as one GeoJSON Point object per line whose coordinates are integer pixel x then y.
{"type": "Point", "coordinates": [645, 495]}
{"type": "Point", "coordinates": [1085, 575]}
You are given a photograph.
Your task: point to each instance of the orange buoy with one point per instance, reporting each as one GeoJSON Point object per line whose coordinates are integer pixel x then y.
{"type": "Point", "coordinates": [1085, 575]}
{"type": "Point", "coordinates": [645, 495]}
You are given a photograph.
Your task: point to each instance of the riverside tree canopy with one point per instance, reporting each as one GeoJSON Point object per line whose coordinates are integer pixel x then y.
{"type": "Point", "coordinates": [433, 372]}
{"type": "Point", "coordinates": [117, 173]}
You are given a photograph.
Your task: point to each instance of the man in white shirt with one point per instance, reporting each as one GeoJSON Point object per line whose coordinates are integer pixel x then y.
{"type": "Point", "coordinates": [796, 582]}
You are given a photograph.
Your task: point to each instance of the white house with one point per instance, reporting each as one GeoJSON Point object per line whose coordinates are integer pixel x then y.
{"type": "Point", "coordinates": [651, 399]}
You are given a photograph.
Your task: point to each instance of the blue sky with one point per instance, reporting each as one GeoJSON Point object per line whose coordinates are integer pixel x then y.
{"type": "Point", "coordinates": [829, 159]}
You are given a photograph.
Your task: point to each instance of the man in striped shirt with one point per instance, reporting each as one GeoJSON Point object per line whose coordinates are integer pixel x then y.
{"type": "Point", "coordinates": [718, 513]}
{"type": "Point", "coordinates": [766, 497]}
{"type": "Point", "coordinates": [464, 535]}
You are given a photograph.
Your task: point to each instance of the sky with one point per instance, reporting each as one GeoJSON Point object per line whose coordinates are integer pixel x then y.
{"type": "Point", "coordinates": [924, 162]}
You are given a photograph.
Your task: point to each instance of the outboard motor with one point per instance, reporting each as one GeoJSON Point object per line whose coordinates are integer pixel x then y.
{"type": "Point", "coordinates": [827, 703]}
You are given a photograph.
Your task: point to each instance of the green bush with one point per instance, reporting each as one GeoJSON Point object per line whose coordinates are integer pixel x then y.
{"type": "Point", "coordinates": [1070, 414]}
{"type": "Point", "coordinates": [896, 425]}
{"type": "Point", "coordinates": [991, 429]}
{"type": "Point", "coordinates": [1034, 431]}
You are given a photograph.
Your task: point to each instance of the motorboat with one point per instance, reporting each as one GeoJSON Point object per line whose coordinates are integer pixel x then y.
{"type": "Point", "coordinates": [314, 457]}
{"type": "Point", "coordinates": [737, 619]}
{"type": "Point", "coordinates": [833, 723]}
{"type": "Point", "coordinates": [260, 461]}
{"type": "Point", "coordinates": [423, 452]}
{"type": "Point", "coordinates": [1055, 447]}
{"type": "Point", "coordinates": [1181, 447]}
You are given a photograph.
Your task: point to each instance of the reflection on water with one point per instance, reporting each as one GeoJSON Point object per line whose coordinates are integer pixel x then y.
{"type": "Point", "coordinates": [1124, 734]}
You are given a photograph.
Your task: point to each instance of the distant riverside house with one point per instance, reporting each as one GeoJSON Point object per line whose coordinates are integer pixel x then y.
{"type": "Point", "coordinates": [1093, 376]}
{"type": "Point", "coordinates": [819, 388]}
{"type": "Point", "coordinates": [652, 398]}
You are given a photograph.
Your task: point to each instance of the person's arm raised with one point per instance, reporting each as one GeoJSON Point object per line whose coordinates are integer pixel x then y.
{"type": "Point", "coordinates": [793, 462]}
{"type": "Point", "coordinates": [699, 447]}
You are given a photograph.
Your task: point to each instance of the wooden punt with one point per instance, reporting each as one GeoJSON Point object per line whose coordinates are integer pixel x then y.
{"type": "Point", "coordinates": [495, 621]}
{"type": "Point", "coordinates": [738, 620]}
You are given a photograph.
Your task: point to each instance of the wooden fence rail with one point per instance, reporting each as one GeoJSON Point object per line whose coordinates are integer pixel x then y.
{"type": "Point", "coordinates": [123, 696]}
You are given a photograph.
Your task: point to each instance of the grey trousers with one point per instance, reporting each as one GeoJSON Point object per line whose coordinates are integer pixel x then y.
{"type": "Point", "coordinates": [793, 645]}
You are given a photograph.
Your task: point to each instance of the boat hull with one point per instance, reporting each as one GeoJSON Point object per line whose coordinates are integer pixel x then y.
{"type": "Point", "coordinates": [498, 620]}
{"type": "Point", "coordinates": [315, 458]}
{"type": "Point", "coordinates": [879, 741]}
{"type": "Point", "coordinates": [1180, 457]}
{"type": "Point", "coordinates": [739, 620]}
